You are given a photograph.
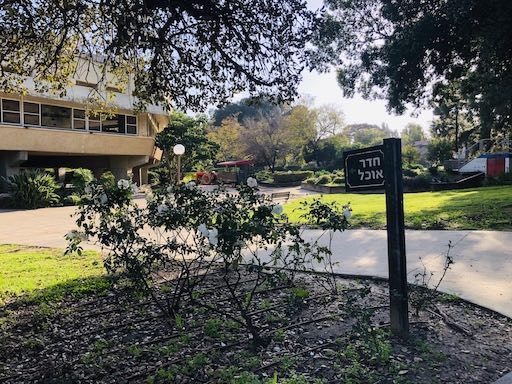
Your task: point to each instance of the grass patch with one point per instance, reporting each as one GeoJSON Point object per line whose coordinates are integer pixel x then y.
{"type": "Point", "coordinates": [479, 208]}
{"type": "Point", "coordinates": [39, 274]}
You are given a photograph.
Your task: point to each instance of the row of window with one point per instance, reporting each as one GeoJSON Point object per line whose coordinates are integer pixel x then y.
{"type": "Point", "coordinates": [52, 116]}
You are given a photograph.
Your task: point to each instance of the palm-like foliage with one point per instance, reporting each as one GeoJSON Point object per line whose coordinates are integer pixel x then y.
{"type": "Point", "coordinates": [33, 189]}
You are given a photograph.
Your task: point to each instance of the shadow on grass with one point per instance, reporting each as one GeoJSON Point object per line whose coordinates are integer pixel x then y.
{"type": "Point", "coordinates": [469, 209]}
{"type": "Point", "coordinates": [67, 290]}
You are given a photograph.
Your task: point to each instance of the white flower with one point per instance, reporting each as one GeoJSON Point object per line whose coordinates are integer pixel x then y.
{"type": "Point", "coordinates": [347, 213]}
{"type": "Point", "coordinates": [71, 235]}
{"type": "Point", "coordinates": [252, 182]}
{"type": "Point", "coordinates": [203, 230]}
{"type": "Point", "coordinates": [123, 184]}
{"type": "Point", "coordinates": [162, 209]}
{"type": "Point", "coordinates": [213, 236]}
{"type": "Point", "coordinates": [88, 190]}
{"type": "Point", "coordinates": [135, 189]}
{"type": "Point", "coordinates": [190, 185]}
{"type": "Point", "coordinates": [169, 189]}
{"type": "Point", "coordinates": [277, 209]}
{"type": "Point", "coordinates": [103, 199]}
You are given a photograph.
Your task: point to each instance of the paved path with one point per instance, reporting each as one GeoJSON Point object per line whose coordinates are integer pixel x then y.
{"type": "Point", "coordinates": [482, 272]}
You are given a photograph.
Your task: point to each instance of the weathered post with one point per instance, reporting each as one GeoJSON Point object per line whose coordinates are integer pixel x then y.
{"type": "Point", "coordinates": [374, 168]}
{"type": "Point", "coordinates": [396, 237]}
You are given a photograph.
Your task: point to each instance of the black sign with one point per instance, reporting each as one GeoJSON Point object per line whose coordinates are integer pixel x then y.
{"type": "Point", "coordinates": [364, 169]}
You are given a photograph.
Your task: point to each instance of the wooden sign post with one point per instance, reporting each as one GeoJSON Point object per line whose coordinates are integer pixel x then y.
{"type": "Point", "coordinates": [377, 168]}
{"type": "Point", "coordinates": [399, 311]}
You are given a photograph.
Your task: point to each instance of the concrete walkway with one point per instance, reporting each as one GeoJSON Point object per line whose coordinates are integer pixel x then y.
{"type": "Point", "coordinates": [482, 272]}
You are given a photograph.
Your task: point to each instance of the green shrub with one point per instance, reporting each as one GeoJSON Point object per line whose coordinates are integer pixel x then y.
{"type": "Point", "coordinates": [324, 179]}
{"type": "Point", "coordinates": [416, 166]}
{"type": "Point", "coordinates": [291, 177]}
{"type": "Point", "coordinates": [264, 176]}
{"type": "Point", "coordinates": [338, 180]}
{"type": "Point", "coordinates": [33, 189]}
{"type": "Point", "coordinates": [153, 178]}
{"type": "Point", "coordinates": [502, 179]}
{"type": "Point", "coordinates": [72, 199]}
{"type": "Point", "coordinates": [82, 177]}
{"type": "Point", "coordinates": [418, 182]}
{"type": "Point", "coordinates": [409, 172]}
{"type": "Point", "coordinates": [311, 180]}
{"type": "Point", "coordinates": [108, 180]}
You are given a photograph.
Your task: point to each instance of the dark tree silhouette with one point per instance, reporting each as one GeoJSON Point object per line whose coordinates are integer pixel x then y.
{"type": "Point", "coordinates": [190, 52]}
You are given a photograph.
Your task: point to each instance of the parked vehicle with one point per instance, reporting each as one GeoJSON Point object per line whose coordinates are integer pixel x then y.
{"type": "Point", "coordinates": [226, 172]}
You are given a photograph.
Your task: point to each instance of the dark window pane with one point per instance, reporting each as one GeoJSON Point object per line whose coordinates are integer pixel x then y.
{"type": "Point", "coordinates": [31, 119]}
{"type": "Point", "coordinates": [115, 124]}
{"type": "Point", "coordinates": [132, 129]}
{"type": "Point", "coordinates": [10, 105]}
{"type": "Point", "coordinates": [121, 120]}
{"type": "Point", "coordinates": [31, 108]}
{"type": "Point", "coordinates": [131, 120]}
{"type": "Point", "coordinates": [79, 124]}
{"type": "Point", "coordinates": [58, 117]}
{"type": "Point", "coordinates": [94, 125]}
{"type": "Point", "coordinates": [78, 113]}
{"type": "Point", "coordinates": [10, 117]}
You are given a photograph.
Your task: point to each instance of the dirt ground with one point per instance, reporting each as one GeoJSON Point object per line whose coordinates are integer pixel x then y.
{"type": "Point", "coordinates": [314, 336]}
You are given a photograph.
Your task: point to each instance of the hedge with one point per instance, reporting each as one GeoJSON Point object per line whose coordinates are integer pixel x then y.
{"type": "Point", "coordinates": [290, 177]}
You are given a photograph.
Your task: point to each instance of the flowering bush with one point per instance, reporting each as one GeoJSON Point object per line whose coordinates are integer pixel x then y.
{"type": "Point", "coordinates": [186, 233]}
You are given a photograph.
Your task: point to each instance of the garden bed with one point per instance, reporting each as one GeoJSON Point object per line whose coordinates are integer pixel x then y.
{"type": "Point", "coordinates": [313, 337]}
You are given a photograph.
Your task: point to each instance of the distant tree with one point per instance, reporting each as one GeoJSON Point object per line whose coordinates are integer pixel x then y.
{"type": "Point", "coordinates": [265, 140]}
{"type": "Point", "coordinates": [328, 153]}
{"type": "Point", "coordinates": [271, 133]}
{"type": "Point", "coordinates": [368, 134]}
{"type": "Point", "coordinates": [454, 120]}
{"type": "Point", "coordinates": [412, 133]}
{"type": "Point", "coordinates": [299, 128]}
{"type": "Point", "coordinates": [228, 137]}
{"type": "Point", "coordinates": [410, 154]}
{"type": "Point", "coordinates": [439, 150]}
{"type": "Point", "coordinates": [191, 133]}
{"type": "Point", "coordinates": [187, 53]}
{"type": "Point", "coordinates": [330, 121]}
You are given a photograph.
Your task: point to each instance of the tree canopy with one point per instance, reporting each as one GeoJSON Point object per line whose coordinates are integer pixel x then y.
{"type": "Point", "coordinates": [189, 53]}
{"type": "Point", "coordinates": [412, 133]}
{"type": "Point", "coordinates": [191, 133]}
{"type": "Point", "coordinates": [399, 49]}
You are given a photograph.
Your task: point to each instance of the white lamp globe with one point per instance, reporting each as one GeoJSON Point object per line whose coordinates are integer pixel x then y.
{"type": "Point", "coordinates": [178, 149]}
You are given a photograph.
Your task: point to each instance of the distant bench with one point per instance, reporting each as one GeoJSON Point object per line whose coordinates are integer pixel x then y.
{"type": "Point", "coordinates": [280, 196]}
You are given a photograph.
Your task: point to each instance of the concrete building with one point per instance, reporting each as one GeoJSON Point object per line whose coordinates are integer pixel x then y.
{"type": "Point", "coordinates": [41, 130]}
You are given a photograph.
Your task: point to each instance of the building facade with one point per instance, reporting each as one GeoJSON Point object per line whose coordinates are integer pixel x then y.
{"type": "Point", "coordinates": [40, 130]}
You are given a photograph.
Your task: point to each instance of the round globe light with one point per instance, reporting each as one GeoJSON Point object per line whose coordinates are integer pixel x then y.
{"type": "Point", "coordinates": [178, 149]}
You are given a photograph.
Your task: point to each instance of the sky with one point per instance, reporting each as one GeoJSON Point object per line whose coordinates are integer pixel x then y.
{"type": "Point", "coordinates": [325, 90]}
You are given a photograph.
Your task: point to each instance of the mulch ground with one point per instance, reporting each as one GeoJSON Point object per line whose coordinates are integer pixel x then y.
{"type": "Point", "coordinates": [314, 335]}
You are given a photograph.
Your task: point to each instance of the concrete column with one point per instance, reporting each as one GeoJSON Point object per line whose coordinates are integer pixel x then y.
{"type": "Point", "coordinates": [121, 166]}
{"type": "Point", "coordinates": [120, 173]}
{"type": "Point", "coordinates": [144, 179]}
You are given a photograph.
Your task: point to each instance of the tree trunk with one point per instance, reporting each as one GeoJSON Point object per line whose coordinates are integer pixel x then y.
{"type": "Point", "coordinates": [457, 129]}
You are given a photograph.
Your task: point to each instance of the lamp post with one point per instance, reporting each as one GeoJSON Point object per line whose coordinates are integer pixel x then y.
{"type": "Point", "coordinates": [178, 150]}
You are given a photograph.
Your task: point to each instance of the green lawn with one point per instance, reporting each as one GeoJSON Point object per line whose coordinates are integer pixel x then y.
{"type": "Point", "coordinates": [480, 208]}
{"type": "Point", "coordinates": [45, 274]}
